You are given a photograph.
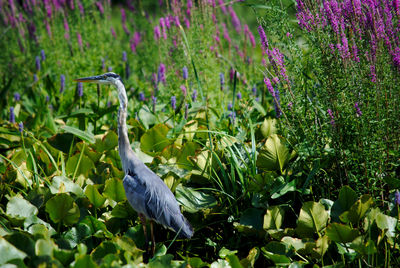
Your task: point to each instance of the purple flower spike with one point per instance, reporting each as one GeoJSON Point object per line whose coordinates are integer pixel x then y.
{"type": "Point", "coordinates": [47, 98]}
{"type": "Point", "coordinates": [239, 96]}
{"type": "Point", "coordinates": [42, 55]}
{"type": "Point", "coordinates": [358, 110]}
{"type": "Point", "coordinates": [222, 80]}
{"type": "Point", "coordinates": [100, 7]}
{"type": "Point", "coordinates": [397, 197]}
{"type": "Point", "coordinates": [141, 96]}
{"type": "Point", "coordinates": [12, 115]}
{"type": "Point", "coordinates": [269, 86]}
{"type": "Point", "coordinates": [184, 91]}
{"type": "Point", "coordinates": [254, 90]}
{"type": "Point", "coordinates": [277, 104]}
{"type": "Point", "coordinates": [263, 37]}
{"type": "Point", "coordinates": [79, 38]}
{"type": "Point", "coordinates": [124, 56]}
{"type": "Point", "coordinates": [194, 95]}
{"type": "Point", "coordinates": [62, 83]}
{"type": "Point", "coordinates": [331, 116]}
{"type": "Point", "coordinates": [235, 20]}
{"type": "Point", "coordinates": [109, 68]}
{"type": "Point", "coordinates": [21, 127]}
{"type": "Point", "coordinates": [80, 89]}
{"type": "Point", "coordinates": [230, 106]}
{"type": "Point", "coordinates": [173, 102]}
{"type": "Point", "coordinates": [185, 73]}
{"type": "Point", "coordinates": [161, 73]}
{"type": "Point", "coordinates": [37, 63]}
{"type": "Point", "coordinates": [35, 78]}
{"type": "Point", "coordinates": [157, 32]}
{"type": "Point", "coordinates": [17, 96]}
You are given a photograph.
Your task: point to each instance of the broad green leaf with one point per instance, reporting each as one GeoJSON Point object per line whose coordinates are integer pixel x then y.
{"type": "Point", "coordinates": [268, 127]}
{"type": "Point", "coordinates": [8, 252]}
{"type": "Point", "coordinates": [114, 190]}
{"type": "Point", "coordinates": [33, 222]}
{"type": "Point", "coordinates": [367, 248]}
{"type": "Point", "coordinates": [274, 155]}
{"type": "Point", "coordinates": [146, 117]}
{"type": "Point", "coordinates": [106, 142]}
{"type": "Point", "coordinates": [273, 218]}
{"type": "Point", "coordinates": [347, 197]}
{"type": "Point", "coordinates": [63, 184]}
{"type": "Point", "coordinates": [250, 260]}
{"type": "Point", "coordinates": [19, 208]}
{"type": "Point", "coordinates": [341, 233]}
{"type": "Point", "coordinates": [94, 196]}
{"type": "Point", "coordinates": [322, 246]}
{"type": "Point", "coordinates": [97, 228]}
{"type": "Point", "coordinates": [193, 200]}
{"type": "Point", "coordinates": [296, 243]}
{"type": "Point", "coordinates": [123, 210]}
{"type": "Point", "coordinates": [234, 261]}
{"type": "Point", "coordinates": [312, 219]}
{"type": "Point", "coordinates": [357, 210]}
{"type": "Point", "coordinates": [386, 223]}
{"type": "Point", "coordinates": [62, 208]}
{"type": "Point", "coordinates": [44, 248]}
{"type": "Point", "coordinates": [253, 218]}
{"type": "Point", "coordinates": [23, 242]}
{"type": "Point", "coordinates": [64, 256]}
{"type": "Point", "coordinates": [77, 234]}
{"type": "Point", "coordinates": [103, 249]}
{"type": "Point", "coordinates": [190, 129]}
{"type": "Point", "coordinates": [223, 252]}
{"type": "Point", "coordinates": [188, 150]}
{"type": "Point", "coordinates": [61, 141]}
{"type": "Point", "coordinates": [85, 165]}
{"type": "Point", "coordinates": [155, 139]}
{"type": "Point", "coordinates": [277, 252]}
{"type": "Point", "coordinates": [85, 262]}
{"type": "Point", "coordinates": [161, 261]}
{"type": "Point", "coordinates": [86, 136]}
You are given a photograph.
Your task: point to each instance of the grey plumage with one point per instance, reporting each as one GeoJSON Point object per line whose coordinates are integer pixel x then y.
{"type": "Point", "coordinates": [145, 191]}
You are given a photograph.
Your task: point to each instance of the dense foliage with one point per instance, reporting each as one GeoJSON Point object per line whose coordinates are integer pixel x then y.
{"type": "Point", "coordinates": [280, 138]}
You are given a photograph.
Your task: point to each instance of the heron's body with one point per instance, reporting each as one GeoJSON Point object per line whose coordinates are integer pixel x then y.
{"type": "Point", "coordinates": [146, 192]}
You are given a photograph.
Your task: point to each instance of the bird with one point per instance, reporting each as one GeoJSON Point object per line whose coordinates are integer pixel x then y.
{"type": "Point", "coordinates": [145, 191]}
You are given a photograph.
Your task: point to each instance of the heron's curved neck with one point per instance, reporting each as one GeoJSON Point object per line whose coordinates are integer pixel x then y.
{"type": "Point", "coordinates": [124, 146]}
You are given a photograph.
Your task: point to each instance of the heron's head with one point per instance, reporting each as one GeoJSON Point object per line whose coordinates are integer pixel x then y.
{"type": "Point", "coordinates": [107, 79]}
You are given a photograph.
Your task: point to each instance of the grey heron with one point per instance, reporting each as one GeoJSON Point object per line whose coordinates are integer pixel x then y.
{"type": "Point", "coordinates": [145, 191]}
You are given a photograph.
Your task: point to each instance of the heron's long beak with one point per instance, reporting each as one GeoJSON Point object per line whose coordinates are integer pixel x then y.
{"type": "Point", "coordinates": [91, 79]}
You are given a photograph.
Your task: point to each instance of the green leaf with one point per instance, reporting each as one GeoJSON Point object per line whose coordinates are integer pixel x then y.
{"type": "Point", "coordinates": [386, 223]}
{"type": "Point", "coordinates": [8, 252]}
{"type": "Point", "coordinates": [223, 252]}
{"type": "Point", "coordinates": [341, 233]}
{"type": "Point", "coordinates": [94, 196]}
{"type": "Point", "coordinates": [107, 142]}
{"type": "Point", "coordinates": [192, 200]}
{"type": "Point", "coordinates": [321, 246]}
{"type": "Point", "coordinates": [273, 218]}
{"type": "Point", "coordinates": [62, 208]}
{"type": "Point", "coordinates": [103, 249]}
{"type": "Point", "coordinates": [22, 241]}
{"type": "Point", "coordinates": [347, 197]}
{"type": "Point", "coordinates": [86, 136]}
{"type": "Point", "coordinates": [85, 262]}
{"type": "Point", "coordinates": [61, 141]}
{"type": "Point", "coordinates": [123, 210]}
{"type": "Point", "coordinates": [146, 117]}
{"type": "Point", "coordinates": [114, 190]}
{"type": "Point", "coordinates": [97, 228]}
{"type": "Point", "coordinates": [274, 155]}
{"type": "Point", "coordinates": [313, 218]}
{"type": "Point", "coordinates": [268, 127]}
{"type": "Point", "coordinates": [277, 252]}
{"type": "Point", "coordinates": [357, 210]}
{"type": "Point", "coordinates": [44, 248]}
{"type": "Point", "coordinates": [63, 184]}
{"type": "Point", "coordinates": [155, 139]}
{"type": "Point", "coordinates": [85, 165]}
{"type": "Point", "coordinates": [19, 208]}
{"type": "Point", "coordinates": [234, 261]}
{"type": "Point", "coordinates": [188, 150]}
{"type": "Point", "coordinates": [253, 218]}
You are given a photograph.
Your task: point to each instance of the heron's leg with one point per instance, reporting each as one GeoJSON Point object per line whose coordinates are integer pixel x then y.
{"type": "Point", "coordinates": [153, 241]}
{"type": "Point", "coordinates": [143, 222]}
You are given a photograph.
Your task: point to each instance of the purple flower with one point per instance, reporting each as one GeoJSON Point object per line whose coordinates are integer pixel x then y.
{"type": "Point", "coordinates": [173, 102]}
{"type": "Point", "coordinates": [81, 9]}
{"type": "Point", "coordinates": [141, 96]}
{"type": "Point", "coordinates": [161, 73]}
{"type": "Point", "coordinates": [124, 56]}
{"type": "Point", "coordinates": [154, 100]}
{"type": "Point", "coordinates": [35, 78]}
{"type": "Point", "coordinates": [290, 105]}
{"type": "Point", "coordinates": [42, 55]}
{"type": "Point", "coordinates": [109, 104]}
{"type": "Point", "coordinates": [100, 7]}
{"type": "Point", "coordinates": [21, 127]}
{"type": "Point", "coordinates": [232, 116]}
{"type": "Point", "coordinates": [17, 96]}
{"type": "Point", "coordinates": [62, 83]}
{"type": "Point", "coordinates": [263, 38]}
{"type": "Point", "coordinates": [230, 106]}
{"type": "Point", "coordinates": [186, 111]}
{"type": "Point", "coordinates": [226, 33]}
{"type": "Point", "coordinates": [254, 90]}
{"type": "Point", "coordinates": [157, 33]}
{"type": "Point", "coordinates": [185, 73]}
{"type": "Point", "coordinates": [79, 38]}
{"type": "Point", "coordinates": [250, 35]}
{"type": "Point", "coordinates": [269, 86]}
{"type": "Point", "coordinates": [221, 80]}
{"type": "Point", "coordinates": [222, 6]}
{"type": "Point", "coordinates": [239, 95]}
{"type": "Point", "coordinates": [235, 20]}
{"type": "Point", "coordinates": [12, 115]}
{"type": "Point", "coordinates": [123, 15]}
{"type": "Point", "coordinates": [37, 63]}
{"type": "Point", "coordinates": [113, 32]}
{"type": "Point", "coordinates": [397, 197]}
{"type": "Point", "coordinates": [194, 95]}
{"type": "Point", "coordinates": [358, 110]}
{"type": "Point", "coordinates": [79, 89]}
{"type": "Point", "coordinates": [277, 104]}
{"type": "Point", "coordinates": [47, 98]}
{"type": "Point", "coordinates": [184, 90]}
{"type": "Point", "coordinates": [331, 116]}
{"type": "Point", "coordinates": [109, 68]}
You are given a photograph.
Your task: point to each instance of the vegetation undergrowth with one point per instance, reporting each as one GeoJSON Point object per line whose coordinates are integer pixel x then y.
{"type": "Point", "coordinates": [279, 139]}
